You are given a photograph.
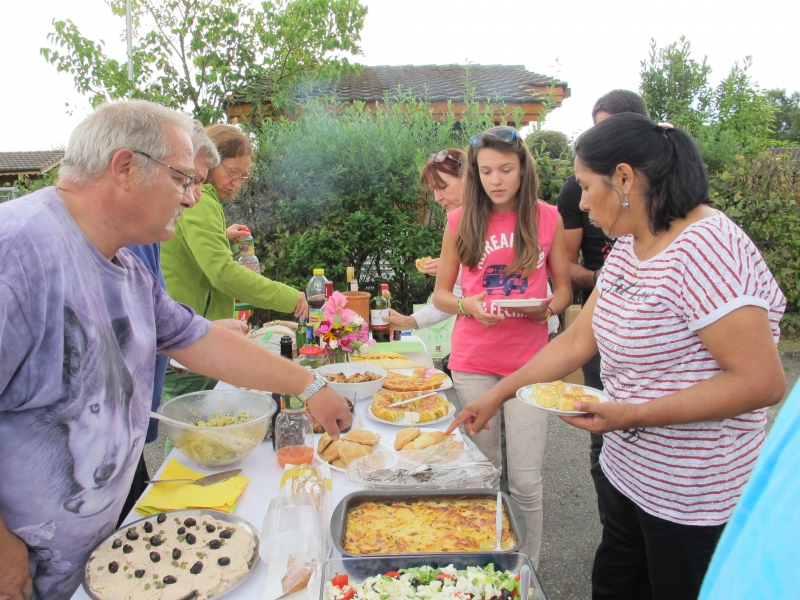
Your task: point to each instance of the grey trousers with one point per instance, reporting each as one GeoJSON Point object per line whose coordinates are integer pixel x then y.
{"type": "Point", "coordinates": [526, 434]}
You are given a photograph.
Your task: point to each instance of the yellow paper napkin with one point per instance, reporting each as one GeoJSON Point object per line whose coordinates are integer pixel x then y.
{"type": "Point", "coordinates": [175, 496]}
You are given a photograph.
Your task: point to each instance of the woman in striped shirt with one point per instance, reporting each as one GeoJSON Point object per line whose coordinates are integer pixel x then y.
{"type": "Point", "coordinates": [685, 316]}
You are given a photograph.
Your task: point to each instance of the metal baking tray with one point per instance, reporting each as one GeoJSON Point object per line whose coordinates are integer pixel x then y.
{"type": "Point", "coordinates": [368, 566]}
{"type": "Point", "coordinates": [339, 519]}
{"type": "Point", "coordinates": [197, 513]}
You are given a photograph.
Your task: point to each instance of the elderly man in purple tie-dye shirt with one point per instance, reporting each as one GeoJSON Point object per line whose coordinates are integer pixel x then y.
{"type": "Point", "coordinates": [81, 323]}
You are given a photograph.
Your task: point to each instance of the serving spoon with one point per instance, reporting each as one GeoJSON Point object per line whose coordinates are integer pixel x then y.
{"type": "Point", "coordinates": [160, 417]}
{"type": "Point", "coordinates": [498, 519]}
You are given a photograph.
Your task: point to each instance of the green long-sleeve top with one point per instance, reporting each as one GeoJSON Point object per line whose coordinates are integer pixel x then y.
{"type": "Point", "coordinates": [200, 272]}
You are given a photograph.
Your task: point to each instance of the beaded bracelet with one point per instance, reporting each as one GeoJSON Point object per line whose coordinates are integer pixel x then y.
{"type": "Point", "coordinates": [461, 308]}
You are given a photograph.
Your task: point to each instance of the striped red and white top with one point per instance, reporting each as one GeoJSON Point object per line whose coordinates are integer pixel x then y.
{"type": "Point", "coordinates": [646, 322]}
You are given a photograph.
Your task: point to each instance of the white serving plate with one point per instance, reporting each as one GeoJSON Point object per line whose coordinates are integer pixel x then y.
{"type": "Point", "coordinates": [446, 384]}
{"type": "Point", "coordinates": [197, 513]}
{"type": "Point", "coordinates": [525, 394]}
{"type": "Point", "coordinates": [379, 448]}
{"type": "Point", "coordinates": [421, 430]}
{"type": "Point", "coordinates": [517, 302]}
{"type": "Point", "coordinates": [407, 423]}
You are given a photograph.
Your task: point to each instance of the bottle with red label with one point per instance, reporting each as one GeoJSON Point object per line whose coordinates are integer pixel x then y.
{"type": "Point", "coordinates": [247, 255]}
{"type": "Point", "coordinates": [378, 311]}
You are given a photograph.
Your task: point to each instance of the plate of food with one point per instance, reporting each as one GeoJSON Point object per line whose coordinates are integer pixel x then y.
{"type": "Point", "coordinates": [172, 554]}
{"type": "Point", "coordinates": [352, 445]}
{"type": "Point", "coordinates": [557, 397]}
{"type": "Point", "coordinates": [431, 409]}
{"type": "Point", "coordinates": [419, 438]}
{"type": "Point", "coordinates": [518, 302]}
{"type": "Point", "coordinates": [361, 379]}
{"type": "Point", "coordinates": [387, 360]}
{"type": "Point", "coordinates": [417, 380]}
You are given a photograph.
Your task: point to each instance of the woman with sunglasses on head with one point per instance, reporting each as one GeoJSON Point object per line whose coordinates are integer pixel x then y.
{"type": "Point", "coordinates": [685, 316]}
{"type": "Point", "coordinates": [198, 264]}
{"type": "Point", "coordinates": [444, 174]}
{"type": "Point", "coordinates": [505, 242]}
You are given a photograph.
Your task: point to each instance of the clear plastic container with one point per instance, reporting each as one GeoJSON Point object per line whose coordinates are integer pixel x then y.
{"type": "Point", "coordinates": [294, 437]}
{"type": "Point", "coordinates": [312, 357]}
{"type": "Point", "coordinates": [360, 568]}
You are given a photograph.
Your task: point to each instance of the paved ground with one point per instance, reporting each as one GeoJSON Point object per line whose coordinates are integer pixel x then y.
{"type": "Point", "coordinates": [571, 527]}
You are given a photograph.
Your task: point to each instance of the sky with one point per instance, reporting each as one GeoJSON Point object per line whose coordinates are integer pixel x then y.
{"type": "Point", "coordinates": [593, 46]}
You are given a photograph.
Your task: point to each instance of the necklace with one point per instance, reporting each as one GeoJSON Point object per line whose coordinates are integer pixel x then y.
{"type": "Point", "coordinates": [644, 257]}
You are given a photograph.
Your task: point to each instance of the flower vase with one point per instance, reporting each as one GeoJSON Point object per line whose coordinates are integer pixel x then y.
{"type": "Point", "coordinates": [337, 355]}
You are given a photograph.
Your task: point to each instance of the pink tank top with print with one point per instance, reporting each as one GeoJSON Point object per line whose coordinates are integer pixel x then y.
{"type": "Point", "coordinates": [502, 349]}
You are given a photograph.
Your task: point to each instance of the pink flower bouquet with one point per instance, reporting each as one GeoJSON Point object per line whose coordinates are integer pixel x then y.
{"type": "Point", "coordinates": [342, 330]}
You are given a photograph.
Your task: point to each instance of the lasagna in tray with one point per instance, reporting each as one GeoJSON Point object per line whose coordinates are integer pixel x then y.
{"type": "Point", "coordinates": [422, 526]}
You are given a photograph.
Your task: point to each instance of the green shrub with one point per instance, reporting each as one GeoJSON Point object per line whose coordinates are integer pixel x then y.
{"type": "Point", "coordinates": [762, 195]}
{"type": "Point", "coordinates": [331, 191]}
{"type": "Point", "coordinates": [27, 184]}
{"type": "Point", "coordinates": [553, 144]}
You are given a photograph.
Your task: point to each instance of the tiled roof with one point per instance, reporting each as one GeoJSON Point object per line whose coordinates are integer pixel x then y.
{"type": "Point", "coordinates": [439, 83]}
{"type": "Point", "coordinates": [29, 162]}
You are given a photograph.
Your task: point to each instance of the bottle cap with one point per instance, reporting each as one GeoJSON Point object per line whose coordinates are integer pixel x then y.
{"type": "Point", "coordinates": [319, 271]}
{"type": "Point", "coordinates": [312, 350]}
{"type": "Point", "coordinates": [384, 286]}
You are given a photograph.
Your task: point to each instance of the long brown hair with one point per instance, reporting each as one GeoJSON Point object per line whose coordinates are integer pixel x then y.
{"type": "Point", "coordinates": [476, 210]}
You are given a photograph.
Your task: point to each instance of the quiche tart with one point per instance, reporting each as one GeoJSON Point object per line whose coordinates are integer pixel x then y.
{"type": "Point", "coordinates": [416, 382]}
{"type": "Point", "coordinates": [429, 409]}
{"type": "Point", "coordinates": [425, 525]}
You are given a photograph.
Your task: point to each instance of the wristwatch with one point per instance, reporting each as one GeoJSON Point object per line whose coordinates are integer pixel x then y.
{"type": "Point", "coordinates": [319, 383]}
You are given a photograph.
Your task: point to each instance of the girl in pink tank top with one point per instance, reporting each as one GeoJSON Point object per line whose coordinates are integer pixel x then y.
{"type": "Point", "coordinates": [506, 243]}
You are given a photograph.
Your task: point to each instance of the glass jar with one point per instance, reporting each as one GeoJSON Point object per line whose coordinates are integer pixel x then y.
{"type": "Point", "coordinates": [294, 437]}
{"type": "Point", "coordinates": [312, 357]}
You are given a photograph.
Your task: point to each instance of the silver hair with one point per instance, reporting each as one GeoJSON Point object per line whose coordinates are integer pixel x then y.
{"type": "Point", "coordinates": [202, 142]}
{"type": "Point", "coordinates": [133, 124]}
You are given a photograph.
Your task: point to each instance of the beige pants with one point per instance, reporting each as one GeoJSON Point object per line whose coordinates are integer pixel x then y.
{"type": "Point", "coordinates": [526, 434]}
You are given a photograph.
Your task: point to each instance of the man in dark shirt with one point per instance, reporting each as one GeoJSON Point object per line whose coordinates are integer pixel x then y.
{"type": "Point", "coordinates": [588, 248]}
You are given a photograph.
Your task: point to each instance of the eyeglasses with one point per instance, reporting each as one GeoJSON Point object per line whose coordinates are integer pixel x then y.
{"type": "Point", "coordinates": [243, 177]}
{"type": "Point", "coordinates": [442, 156]}
{"type": "Point", "coordinates": [507, 135]}
{"type": "Point", "coordinates": [188, 179]}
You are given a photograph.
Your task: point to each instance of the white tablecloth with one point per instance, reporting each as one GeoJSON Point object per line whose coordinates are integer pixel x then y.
{"type": "Point", "coordinates": [264, 472]}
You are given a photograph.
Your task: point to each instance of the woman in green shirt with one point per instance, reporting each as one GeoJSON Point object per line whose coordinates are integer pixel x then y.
{"type": "Point", "coordinates": [198, 264]}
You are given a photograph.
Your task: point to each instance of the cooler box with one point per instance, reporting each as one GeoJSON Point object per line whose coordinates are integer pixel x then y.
{"type": "Point", "coordinates": [437, 337]}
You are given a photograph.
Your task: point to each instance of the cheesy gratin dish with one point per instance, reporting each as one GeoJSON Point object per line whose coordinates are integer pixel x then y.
{"type": "Point", "coordinates": [420, 526]}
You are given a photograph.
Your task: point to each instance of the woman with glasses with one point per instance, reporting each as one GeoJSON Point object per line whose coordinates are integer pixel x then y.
{"type": "Point", "coordinates": [198, 264]}
{"type": "Point", "coordinates": [444, 174]}
{"type": "Point", "coordinates": [506, 243]}
{"type": "Point", "coordinates": [685, 316]}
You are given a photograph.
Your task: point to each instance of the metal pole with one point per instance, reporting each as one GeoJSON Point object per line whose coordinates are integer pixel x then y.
{"type": "Point", "coordinates": [130, 39]}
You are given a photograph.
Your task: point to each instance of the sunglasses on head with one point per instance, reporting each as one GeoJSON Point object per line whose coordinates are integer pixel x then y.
{"type": "Point", "coordinates": [441, 156]}
{"type": "Point", "coordinates": [507, 135]}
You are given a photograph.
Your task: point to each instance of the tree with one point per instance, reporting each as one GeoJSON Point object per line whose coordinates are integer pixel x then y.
{"type": "Point", "coordinates": [734, 118]}
{"type": "Point", "coordinates": [193, 54]}
{"type": "Point", "coordinates": [786, 125]}
{"type": "Point", "coordinates": [675, 86]}
{"type": "Point", "coordinates": [742, 109]}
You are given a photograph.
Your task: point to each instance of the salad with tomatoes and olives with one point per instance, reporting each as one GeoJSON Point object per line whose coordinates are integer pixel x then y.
{"type": "Point", "coordinates": [472, 583]}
